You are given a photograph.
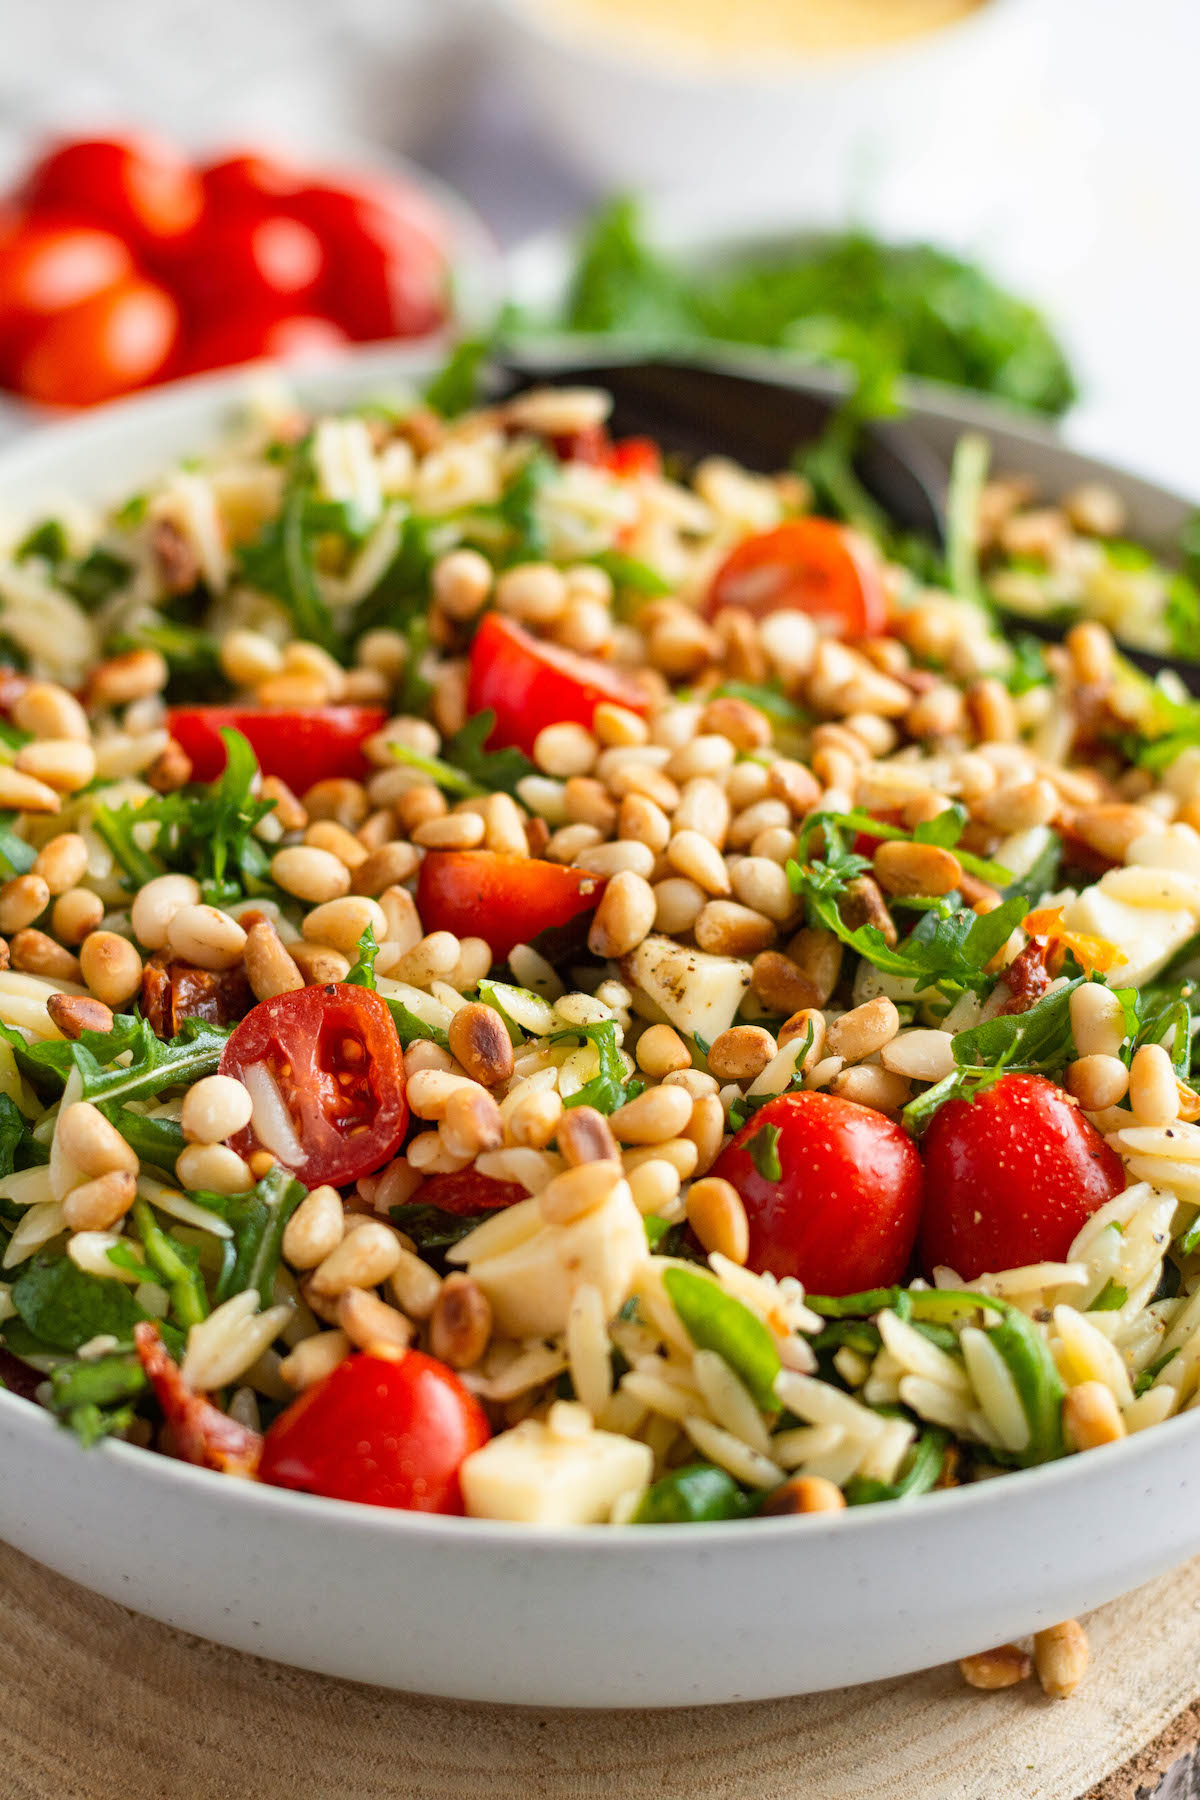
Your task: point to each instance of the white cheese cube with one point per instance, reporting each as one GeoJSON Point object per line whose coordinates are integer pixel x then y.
{"type": "Point", "coordinates": [697, 993]}
{"type": "Point", "coordinates": [532, 1475]}
{"type": "Point", "coordinates": [1147, 936]}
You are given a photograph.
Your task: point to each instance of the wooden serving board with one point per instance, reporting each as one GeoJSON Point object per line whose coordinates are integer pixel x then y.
{"type": "Point", "coordinates": [97, 1703]}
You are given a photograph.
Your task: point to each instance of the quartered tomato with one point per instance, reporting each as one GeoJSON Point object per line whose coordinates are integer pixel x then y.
{"type": "Point", "coordinates": [1011, 1177]}
{"type": "Point", "coordinates": [843, 1212]}
{"type": "Point", "coordinates": [806, 565]}
{"type": "Point", "coordinates": [505, 900]}
{"type": "Point", "coordinates": [52, 262]}
{"type": "Point", "coordinates": [530, 684]}
{"type": "Point", "coordinates": [324, 1068]}
{"type": "Point", "coordinates": [300, 747]}
{"type": "Point", "coordinates": [137, 185]}
{"type": "Point", "coordinates": [467, 1192]}
{"type": "Point", "coordinates": [121, 338]}
{"type": "Point", "coordinates": [379, 1432]}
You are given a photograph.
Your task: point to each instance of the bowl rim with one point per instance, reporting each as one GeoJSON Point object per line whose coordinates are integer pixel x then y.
{"type": "Point", "coordinates": [200, 404]}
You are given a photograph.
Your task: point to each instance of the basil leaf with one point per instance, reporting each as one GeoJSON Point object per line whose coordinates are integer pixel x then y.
{"type": "Point", "coordinates": [715, 1321]}
{"type": "Point", "coordinates": [693, 1495]}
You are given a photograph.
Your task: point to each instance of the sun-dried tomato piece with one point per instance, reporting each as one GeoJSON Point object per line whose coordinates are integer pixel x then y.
{"type": "Point", "coordinates": [199, 1432]}
{"type": "Point", "coordinates": [1026, 978]}
{"type": "Point", "coordinates": [173, 991]}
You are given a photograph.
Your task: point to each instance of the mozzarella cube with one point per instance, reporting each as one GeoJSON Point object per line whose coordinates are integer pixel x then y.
{"type": "Point", "coordinates": [1147, 936]}
{"type": "Point", "coordinates": [697, 993]}
{"type": "Point", "coordinates": [538, 1478]}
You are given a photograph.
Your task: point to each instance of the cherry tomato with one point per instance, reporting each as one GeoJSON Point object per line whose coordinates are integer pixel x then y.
{"type": "Point", "coordinates": [382, 1433]}
{"type": "Point", "coordinates": [139, 186]}
{"type": "Point", "coordinates": [630, 457]}
{"type": "Point", "coordinates": [247, 260]}
{"type": "Point", "coordinates": [505, 900]}
{"type": "Point", "coordinates": [250, 180]}
{"type": "Point", "coordinates": [387, 266]}
{"type": "Point", "coordinates": [530, 684]}
{"type": "Point", "coordinates": [808, 565]}
{"type": "Point", "coordinates": [843, 1214]}
{"type": "Point", "coordinates": [120, 339]}
{"type": "Point", "coordinates": [1010, 1177]}
{"type": "Point", "coordinates": [48, 264]}
{"type": "Point", "coordinates": [254, 334]}
{"type": "Point", "coordinates": [468, 1192]}
{"type": "Point", "coordinates": [301, 747]}
{"type": "Point", "coordinates": [332, 1056]}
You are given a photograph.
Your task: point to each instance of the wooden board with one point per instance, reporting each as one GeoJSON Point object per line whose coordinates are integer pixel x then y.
{"type": "Point", "coordinates": [100, 1704]}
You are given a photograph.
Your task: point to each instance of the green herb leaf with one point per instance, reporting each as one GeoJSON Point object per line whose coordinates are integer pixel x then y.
{"type": "Point", "coordinates": [918, 1472]}
{"type": "Point", "coordinates": [968, 472]}
{"type": "Point", "coordinates": [412, 1030]}
{"type": "Point", "coordinates": [715, 1321]}
{"type": "Point", "coordinates": [764, 1153]}
{"type": "Point", "coordinates": [610, 1087]}
{"type": "Point", "coordinates": [431, 1229]}
{"type": "Point", "coordinates": [1111, 1298]}
{"type": "Point", "coordinates": [628, 572]}
{"type": "Point", "coordinates": [176, 1265]}
{"type": "Point", "coordinates": [258, 1220]}
{"type": "Point", "coordinates": [771, 700]}
{"type": "Point", "coordinates": [495, 771]}
{"type": "Point", "coordinates": [281, 561]}
{"type": "Point", "coordinates": [362, 971]}
{"type": "Point", "coordinates": [65, 1307]}
{"type": "Point", "coordinates": [693, 1495]}
{"type": "Point", "coordinates": [17, 856]}
{"type": "Point", "coordinates": [456, 386]}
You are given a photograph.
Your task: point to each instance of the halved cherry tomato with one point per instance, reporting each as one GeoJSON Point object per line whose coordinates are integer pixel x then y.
{"type": "Point", "coordinates": [120, 339]}
{"type": "Point", "coordinates": [247, 259]}
{"type": "Point", "coordinates": [252, 334]}
{"type": "Point", "coordinates": [300, 747]}
{"type": "Point", "coordinates": [250, 181]}
{"type": "Point", "coordinates": [530, 684]}
{"type": "Point", "coordinates": [137, 185]}
{"type": "Point", "coordinates": [328, 1060]}
{"type": "Point", "coordinates": [199, 1432]}
{"type": "Point", "coordinates": [505, 900]}
{"type": "Point", "coordinates": [379, 1432]}
{"type": "Point", "coordinates": [807, 565]}
{"type": "Point", "coordinates": [1010, 1177]}
{"type": "Point", "coordinates": [50, 263]}
{"type": "Point", "coordinates": [468, 1192]}
{"type": "Point", "coordinates": [388, 271]}
{"type": "Point", "coordinates": [844, 1212]}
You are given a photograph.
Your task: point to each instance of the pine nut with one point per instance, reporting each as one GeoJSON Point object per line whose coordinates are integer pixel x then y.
{"type": "Point", "coordinates": [100, 1204]}
{"type": "Point", "coordinates": [269, 968]}
{"type": "Point", "coordinates": [64, 764]}
{"type": "Point", "coordinates": [62, 862]}
{"type": "Point", "coordinates": [1091, 1416]}
{"type": "Point", "coordinates": [1097, 1081]}
{"type": "Point", "coordinates": [156, 904]}
{"type": "Point", "coordinates": [1097, 1020]}
{"type": "Point", "coordinates": [699, 860]}
{"type": "Point", "coordinates": [206, 936]}
{"type": "Point", "coordinates": [372, 1325]}
{"type": "Point", "coordinates": [534, 1120]}
{"type": "Point", "coordinates": [642, 822]}
{"type": "Point", "coordinates": [319, 963]}
{"type": "Point", "coordinates": [130, 676]}
{"type": "Point", "coordinates": [588, 802]}
{"type": "Point", "coordinates": [803, 1494]}
{"type": "Point", "coordinates": [327, 834]}
{"type": "Point", "coordinates": [435, 955]}
{"type": "Point", "coordinates": [993, 714]}
{"type": "Point", "coordinates": [38, 954]}
{"type": "Point", "coordinates": [88, 1140]}
{"type": "Point", "coordinates": [762, 885]}
{"type": "Point", "coordinates": [717, 1216]}
{"type": "Point", "coordinates": [363, 1259]}
{"type": "Point", "coordinates": [655, 1186]}
{"type": "Point", "coordinates": [309, 874]}
{"type": "Point", "coordinates": [471, 1122]}
{"type": "Point", "coordinates": [1111, 828]}
{"type": "Point", "coordinates": [660, 1050]}
{"type": "Point", "coordinates": [922, 1055]}
{"type": "Point", "coordinates": [403, 923]}
{"type": "Point", "coordinates": [429, 1090]}
{"type": "Point", "coordinates": [1092, 650]}
{"type": "Point", "coordinates": [868, 1085]}
{"type": "Point", "coordinates": [1002, 1667]}
{"type": "Point", "coordinates": [1060, 1655]}
{"type": "Point", "coordinates": [617, 727]}
{"type": "Point", "coordinates": [706, 1129]}
{"type": "Point", "coordinates": [703, 807]}
{"type": "Point", "coordinates": [584, 1136]}
{"type": "Point", "coordinates": [21, 793]}
{"type": "Point", "coordinates": [795, 785]}
{"type": "Point", "coordinates": [916, 869]}
{"type": "Point", "coordinates": [781, 986]}
{"type": "Point", "coordinates": [462, 581]}
{"type": "Point", "coordinates": [658, 1114]}
{"type": "Point", "coordinates": [415, 1286]}
{"type": "Point", "coordinates": [725, 928]}
{"type": "Point", "coordinates": [341, 923]}
{"type": "Point", "coordinates": [314, 1230]}
{"type": "Point", "coordinates": [111, 967]}
{"type": "Point", "coordinates": [215, 1108]}
{"type": "Point", "coordinates": [741, 1053]}
{"type": "Point", "coordinates": [799, 1026]}
{"type": "Point", "coordinates": [214, 1169]}
{"type": "Point", "coordinates": [621, 856]}
{"type": "Point", "coordinates": [680, 1152]}
{"type": "Point", "coordinates": [75, 914]}
{"type": "Point", "coordinates": [47, 710]}
{"type": "Point", "coordinates": [678, 904]}
{"type": "Point", "coordinates": [578, 1190]}
{"type": "Point", "coordinates": [479, 1040]}
{"type": "Point", "coordinates": [457, 831]}
{"type": "Point", "coordinates": [565, 749]}
{"type": "Point", "coordinates": [1019, 807]}
{"type": "Point", "coordinates": [77, 1013]}
{"type": "Point", "coordinates": [460, 1324]}
{"type": "Point", "coordinates": [624, 916]}
{"type": "Point", "coordinates": [21, 901]}
{"type": "Point", "coordinates": [1153, 1089]}
{"type": "Point", "coordinates": [818, 956]}
{"type": "Point", "coordinates": [533, 592]}
{"type": "Point", "coordinates": [288, 811]}
{"type": "Point", "coordinates": [746, 726]}
{"type": "Point", "coordinates": [314, 1358]}
{"type": "Point", "coordinates": [863, 1030]}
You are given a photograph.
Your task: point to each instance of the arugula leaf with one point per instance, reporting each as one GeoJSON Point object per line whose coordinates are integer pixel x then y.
{"type": "Point", "coordinates": [944, 831]}
{"type": "Point", "coordinates": [764, 1153]}
{"type": "Point", "coordinates": [1029, 668]}
{"type": "Point", "coordinates": [193, 657]}
{"type": "Point", "coordinates": [90, 579]}
{"type": "Point", "coordinates": [47, 540]}
{"type": "Point", "coordinates": [399, 599]}
{"type": "Point", "coordinates": [769, 699]}
{"type": "Point", "coordinates": [79, 1390]}
{"type": "Point", "coordinates": [691, 1496]}
{"type": "Point", "coordinates": [154, 1063]}
{"type": "Point", "coordinates": [1038, 1041]}
{"type": "Point", "coordinates": [158, 1141]}
{"type": "Point", "coordinates": [716, 1321]}
{"type": "Point", "coordinates": [497, 771]}
{"type": "Point", "coordinates": [917, 1473]}
{"type": "Point", "coordinates": [517, 510]}
{"type": "Point", "coordinates": [1111, 1298]}
{"type": "Point", "coordinates": [456, 386]}
{"type": "Point", "coordinates": [412, 1030]}
{"type": "Point", "coordinates": [362, 972]}
{"type": "Point", "coordinates": [258, 1220]}
{"type": "Point", "coordinates": [177, 1266]}
{"type": "Point", "coordinates": [968, 472]}
{"type": "Point", "coordinates": [64, 1307]}
{"type": "Point", "coordinates": [609, 1087]}
{"type": "Point", "coordinates": [281, 561]}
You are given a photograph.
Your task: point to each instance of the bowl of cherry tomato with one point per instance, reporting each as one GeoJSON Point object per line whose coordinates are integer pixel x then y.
{"type": "Point", "coordinates": [125, 262]}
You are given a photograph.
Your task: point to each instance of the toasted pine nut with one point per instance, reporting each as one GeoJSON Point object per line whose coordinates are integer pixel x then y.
{"type": "Point", "coordinates": [660, 1050]}
{"type": "Point", "coordinates": [795, 785]}
{"type": "Point", "coordinates": [1111, 828]}
{"type": "Point", "coordinates": [624, 916]}
{"type": "Point", "coordinates": [1091, 1416]}
{"type": "Point", "coordinates": [372, 1325]}
{"type": "Point", "coordinates": [1153, 1089]}
{"type": "Point", "coordinates": [130, 676]}
{"type": "Point", "coordinates": [992, 711]}
{"type": "Point", "coordinates": [1097, 1020]}
{"type": "Point", "coordinates": [386, 867]}
{"type": "Point", "coordinates": [471, 1121]}
{"type": "Point", "coordinates": [678, 904]}
{"type": "Point", "coordinates": [49, 711]}
{"type": "Point", "coordinates": [341, 923]}
{"type": "Point", "coordinates": [781, 985]}
{"type": "Point", "coordinates": [868, 1085]}
{"type": "Point", "coordinates": [314, 1358]}
{"type": "Point", "coordinates": [336, 801]}
{"type": "Point", "coordinates": [741, 1053]}
{"type": "Point", "coordinates": [21, 901]}
{"type": "Point", "coordinates": [319, 963]}
{"type": "Point", "coordinates": [799, 1026]}
{"type": "Point", "coordinates": [902, 868]}
{"type": "Point", "coordinates": [761, 884]}
{"type": "Point", "coordinates": [75, 914]}
{"type": "Point", "coordinates": [98, 1204]}
{"type": "Point", "coordinates": [1091, 648]}
{"type": "Point", "coordinates": [804, 1494]}
{"type": "Point", "coordinates": [40, 955]}
{"type": "Point", "coordinates": [724, 928]}
{"type": "Point", "coordinates": [156, 904]}
{"type": "Point", "coordinates": [999, 1668]}
{"type": "Point", "coordinates": [269, 968]}
{"type": "Point", "coordinates": [429, 1090]}
{"type": "Point", "coordinates": [653, 1117]}
{"type": "Point", "coordinates": [415, 1286]}
{"type": "Point", "coordinates": [578, 1190]}
{"type": "Point", "coordinates": [457, 831]}
{"type": "Point", "coordinates": [1097, 1081]}
{"type": "Point", "coordinates": [327, 834]}
{"type": "Point", "coordinates": [312, 875]}
{"type": "Point", "coordinates": [718, 1218]}
{"type": "Point", "coordinates": [90, 1142]}
{"type": "Point", "coordinates": [206, 936]}
{"type": "Point", "coordinates": [1018, 807]}
{"type": "Point", "coordinates": [214, 1168]}
{"type": "Point", "coordinates": [314, 1230]}
{"type": "Point", "coordinates": [62, 862]}
{"type": "Point", "coordinates": [111, 967]}
{"type": "Point", "coordinates": [533, 1120]}
{"type": "Point", "coordinates": [584, 1136]}
{"type": "Point", "coordinates": [699, 860]}
{"type": "Point", "coordinates": [863, 1030]}
{"type": "Point", "coordinates": [1060, 1654]}
{"type": "Point", "coordinates": [818, 955]}
{"type": "Point", "coordinates": [363, 1259]}
{"type": "Point", "coordinates": [706, 1129]}
{"type": "Point", "coordinates": [922, 1055]}
{"type": "Point", "coordinates": [479, 1039]}
{"type": "Point", "coordinates": [745, 725]}
{"type": "Point", "coordinates": [435, 955]}
{"type": "Point", "coordinates": [21, 793]}
{"type": "Point", "coordinates": [64, 764]}
{"type": "Point", "coordinates": [460, 1323]}
{"type": "Point", "coordinates": [76, 1013]}
{"type": "Point", "coordinates": [214, 1108]}
{"type": "Point", "coordinates": [462, 581]}
{"type": "Point", "coordinates": [680, 1152]}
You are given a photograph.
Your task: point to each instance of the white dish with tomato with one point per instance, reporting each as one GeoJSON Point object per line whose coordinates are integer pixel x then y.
{"type": "Point", "coordinates": [548, 985]}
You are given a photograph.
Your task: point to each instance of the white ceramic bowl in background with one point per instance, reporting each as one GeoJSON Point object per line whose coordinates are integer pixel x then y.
{"type": "Point", "coordinates": [641, 1616]}
{"type": "Point", "coordinates": [809, 129]}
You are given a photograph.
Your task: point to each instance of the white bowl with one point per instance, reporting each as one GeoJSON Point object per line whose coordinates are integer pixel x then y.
{"type": "Point", "coordinates": [811, 129]}
{"type": "Point", "coordinates": [592, 1616]}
